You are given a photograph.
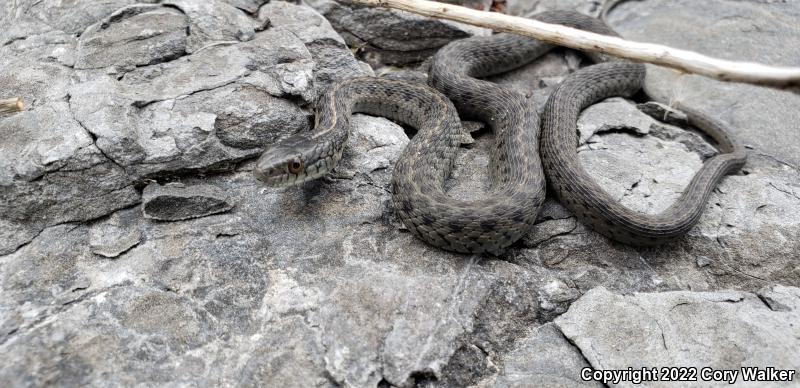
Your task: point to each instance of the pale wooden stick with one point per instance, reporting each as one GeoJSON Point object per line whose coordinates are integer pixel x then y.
{"type": "Point", "coordinates": [10, 105]}
{"type": "Point", "coordinates": [683, 60]}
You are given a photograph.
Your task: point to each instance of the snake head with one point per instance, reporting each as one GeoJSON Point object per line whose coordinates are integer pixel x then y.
{"type": "Point", "coordinates": [291, 162]}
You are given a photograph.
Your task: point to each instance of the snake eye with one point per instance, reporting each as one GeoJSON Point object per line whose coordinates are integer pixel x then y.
{"type": "Point", "coordinates": [295, 166]}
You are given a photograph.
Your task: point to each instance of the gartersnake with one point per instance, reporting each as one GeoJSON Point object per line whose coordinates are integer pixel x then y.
{"type": "Point", "coordinates": [493, 223]}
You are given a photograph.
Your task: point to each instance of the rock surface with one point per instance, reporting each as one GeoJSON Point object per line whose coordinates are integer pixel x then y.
{"type": "Point", "coordinates": [176, 202]}
{"type": "Point", "coordinates": [740, 30]}
{"type": "Point", "coordinates": [531, 7]}
{"type": "Point", "coordinates": [721, 330]}
{"type": "Point", "coordinates": [121, 103]}
{"type": "Point", "coordinates": [545, 358]}
{"type": "Point", "coordinates": [386, 36]}
{"type": "Point", "coordinates": [320, 285]}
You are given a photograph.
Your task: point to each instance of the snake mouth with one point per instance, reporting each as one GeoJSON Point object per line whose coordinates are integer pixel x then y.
{"type": "Point", "coordinates": [269, 177]}
{"type": "Point", "coordinates": [266, 181]}
{"type": "Point", "coordinates": [261, 176]}
{"type": "Point", "coordinates": [272, 178]}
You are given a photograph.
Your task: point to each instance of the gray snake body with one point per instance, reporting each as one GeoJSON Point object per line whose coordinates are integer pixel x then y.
{"type": "Point", "coordinates": [577, 190]}
{"type": "Point", "coordinates": [493, 223]}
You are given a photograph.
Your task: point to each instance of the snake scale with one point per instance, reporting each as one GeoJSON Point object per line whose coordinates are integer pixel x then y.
{"type": "Point", "coordinates": [492, 223]}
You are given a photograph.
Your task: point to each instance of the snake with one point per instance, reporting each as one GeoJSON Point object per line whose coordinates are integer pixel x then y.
{"type": "Point", "coordinates": [518, 172]}
{"type": "Point", "coordinates": [590, 203]}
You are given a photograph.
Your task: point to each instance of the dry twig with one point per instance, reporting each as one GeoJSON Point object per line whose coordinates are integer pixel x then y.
{"type": "Point", "coordinates": [10, 105]}
{"type": "Point", "coordinates": [683, 60]}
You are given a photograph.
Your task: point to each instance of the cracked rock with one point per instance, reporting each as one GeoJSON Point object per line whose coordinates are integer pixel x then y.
{"type": "Point", "coordinates": [187, 113]}
{"type": "Point", "coordinates": [766, 118]}
{"type": "Point", "coordinates": [390, 36]}
{"type": "Point", "coordinates": [726, 330]}
{"type": "Point", "coordinates": [70, 17]}
{"type": "Point", "coordinates": [120, 41]}
{"type": "Point", "coordinates": [257, 119]}
{"type": "Point", "coordinates": [531, 7]}
{"type": "Point", "coordinates": [249, 6]}
{"type": "Point", "coordinates": [376, 149]}
{"type": "Point", "coordinates": [536, 78]}
{"type": "Point", "coordinates": [174, 202]}
{"type": "Point", "coordinates": [645, 173]}
{"type": "Point", "coordinates": [320, 285]}
{"type": "Point", "coordinates": [91, 193]}
{"type": "Point", "coordinates": [333, 59]}
{"type": "Point", "coordinates": [543, 358]}
{"type": "Point", "coordinates": [663, 112]}
{"type": "Point", "coordinates": [115, 236]}
{"type": "Point", "coordinates": [41, 141]}
{"type": "Point", "coordinates": [555, 296]}
{"type": "Point", "coordinates": [549, 229]}
{"type": "Point", "coordinates": [122, 102]}
{"type": "Point", "coordinates": [213, 21]}
{"type": "Point", "coordinates": [15, 234]}
{"type": "Point", "coordinates": [613, 114]}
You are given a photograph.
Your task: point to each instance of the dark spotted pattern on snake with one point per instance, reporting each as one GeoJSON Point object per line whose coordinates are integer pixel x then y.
{"type": "Point", "coordinates": [492, 223]}
{"type": "Point", "coordinates": [579, 192]}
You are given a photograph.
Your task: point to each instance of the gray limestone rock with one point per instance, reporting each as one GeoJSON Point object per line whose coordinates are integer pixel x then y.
{"type": "Point", "coordinates": [613, 114]}
{"type": "Point", "coordinates": [374, 150]}
{"type": "Point", "coordinates": [70, 17]}
{"type": "Point", "coordinates": [321, 285]}
{"type": "Point", "coordinates": [40, 141]}
{"type": "Point", "coordinates": [764, 118]}
{"type": "Point", "coordinates": [62, 196]}
{"type": "Point", "coordinates": [125, 102]}
{"type": "Point", "coordinates": [535, 78]}
{"type": "Point", "coordinates": [14, 234]}
{"type": "Point", "coordinates": [333, 59]}
{"type": "Point", "coordinates": [532, 7]}
{"type": "Point", "coordinates": [114, 236]}
{"type": "Point", "coordinates": [720, 330]}
{"type": "Point", "coordinates": [214, 21]}
{"type": "Point", "coordinates": [543, 358]}
{"type": "Point", "coordinates": [120, 41]}
{"type": "Point", "coordinates": [176, 202]}
{"type": "Point", "coordinates": [548, 229]}
{"type": "Point", "coordinates": [249, 6]}
{"type": "Point", "coordinates": [646, 173]}
{"type": "Point", "coordinates": [257, 118]}
{"type": "Point", "coordinates": [385, 36]}
{"type": "Point", "coordinates": [664, 113]}
{"type": "Point", "coordinates": [251, 312]}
